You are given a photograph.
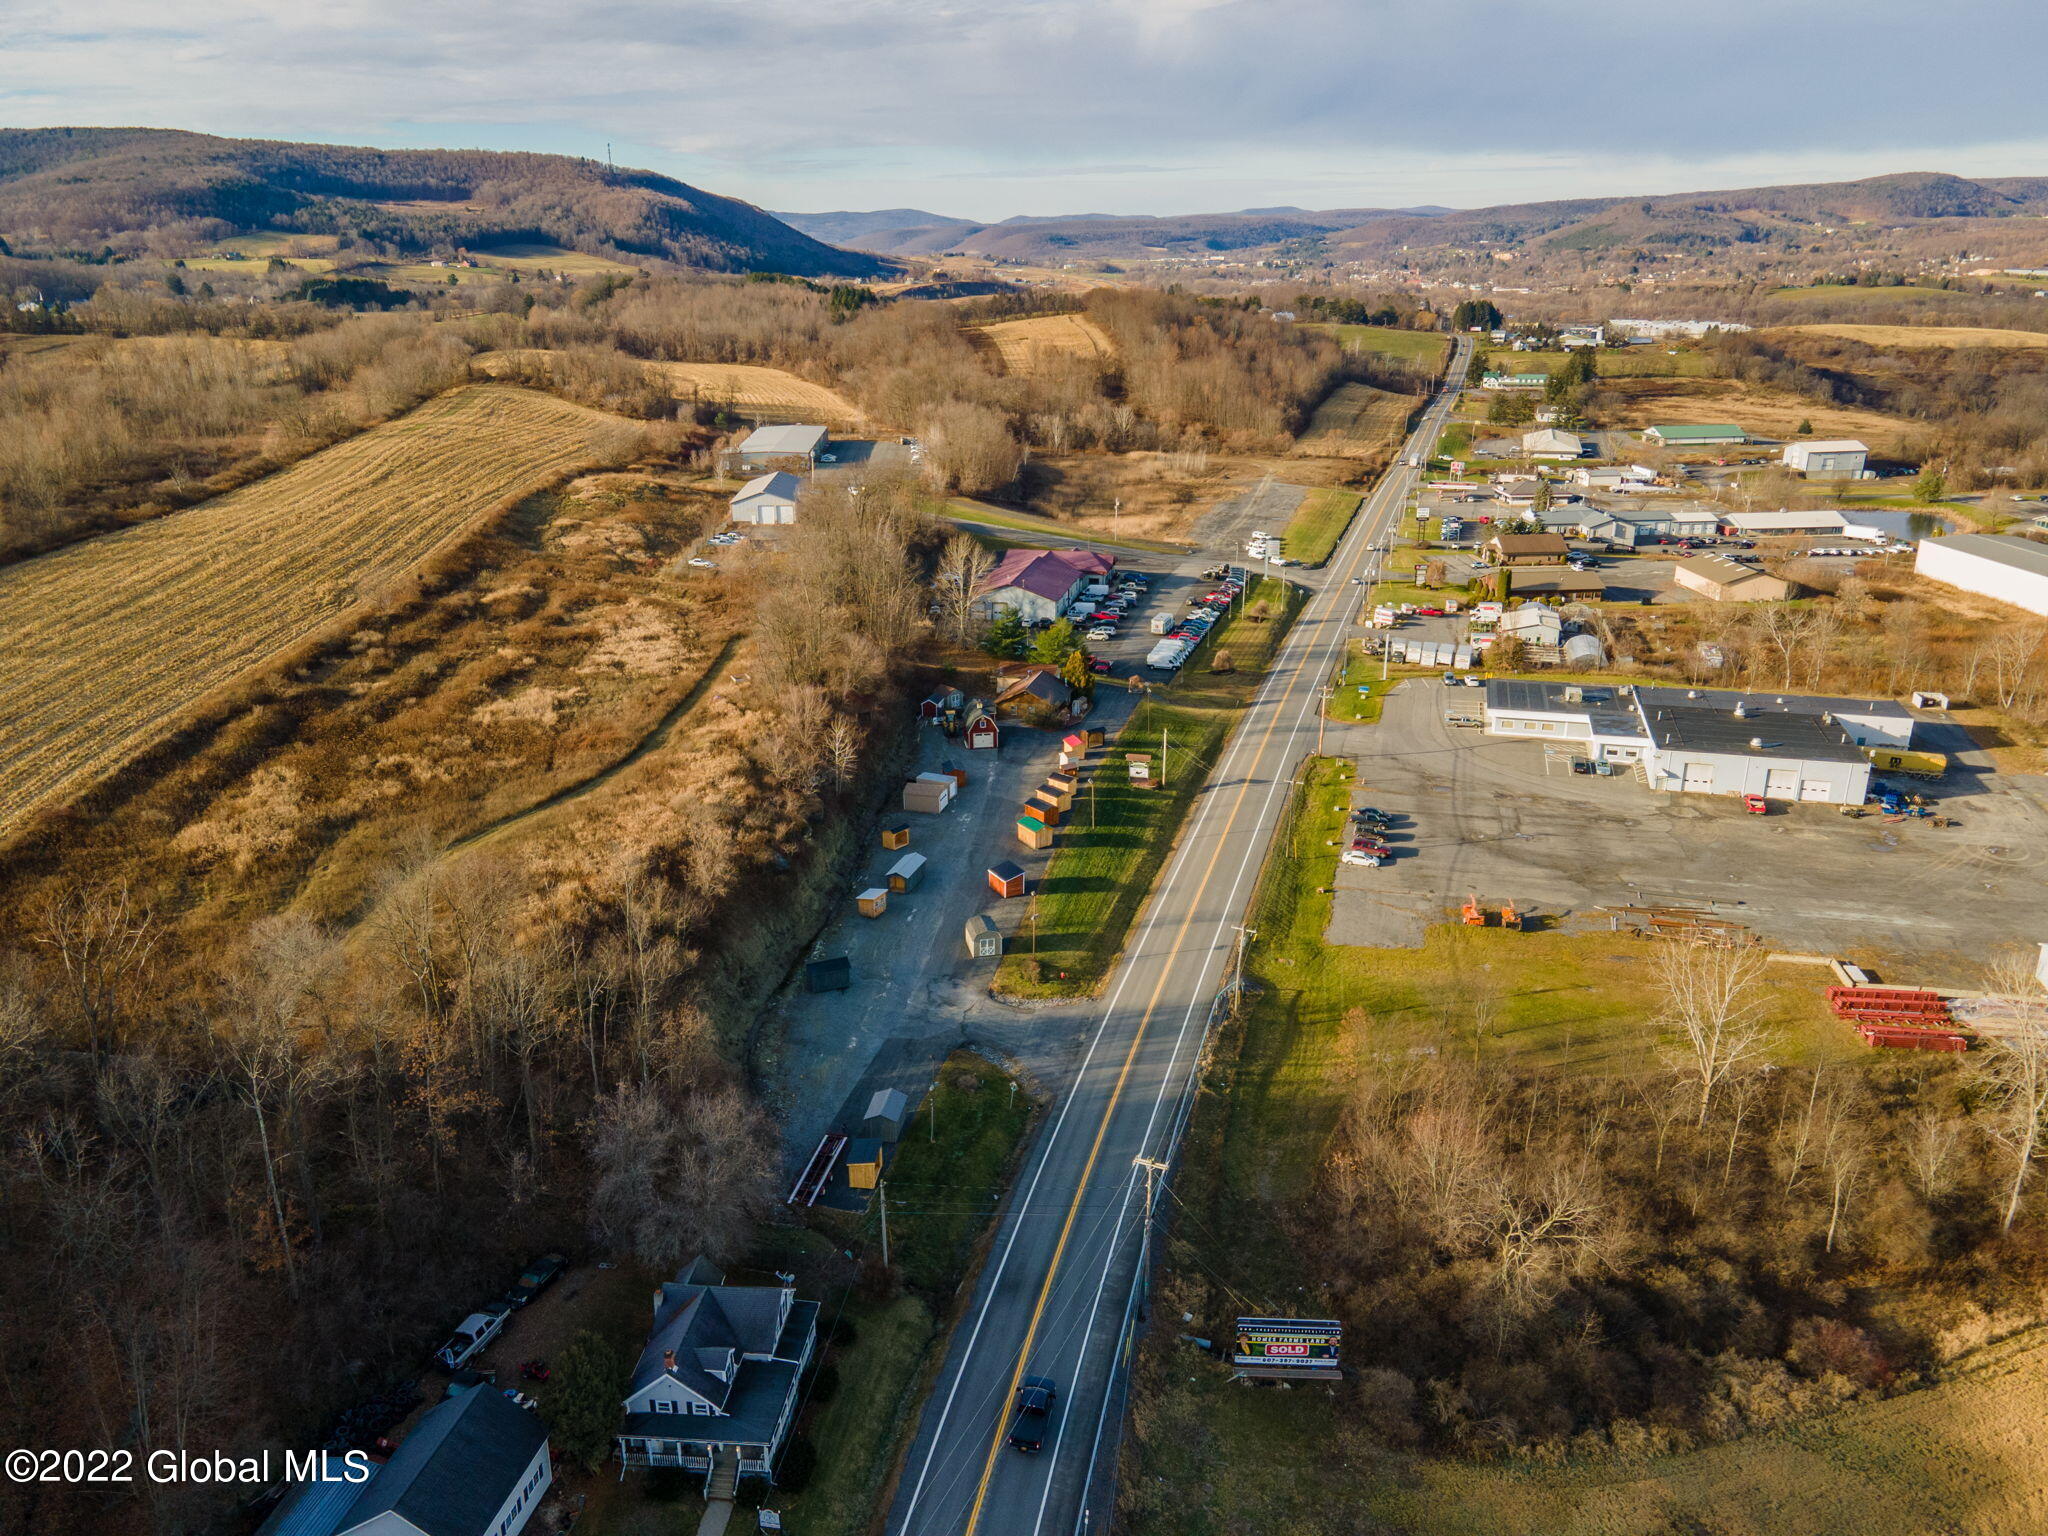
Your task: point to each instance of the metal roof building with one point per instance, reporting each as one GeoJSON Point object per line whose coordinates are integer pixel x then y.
{"type": "Point", "coordinates": [1695, 434]}
{"type": "Point", "coordinates": [1993, 565]}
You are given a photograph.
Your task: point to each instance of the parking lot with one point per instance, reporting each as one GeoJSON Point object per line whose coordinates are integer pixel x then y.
{"type": "Point", "coordinates": [1473, 814]}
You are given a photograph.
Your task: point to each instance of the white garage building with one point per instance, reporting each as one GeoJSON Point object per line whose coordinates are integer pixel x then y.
{"type": "Point", "coordinates": [1710, 741]}
{"type": "Point", "coordinates": [1839, 458]}
{"type": "Point", "coordinates": [2012, 570]}
{"type": "Point", "coordinates": [767, 499]}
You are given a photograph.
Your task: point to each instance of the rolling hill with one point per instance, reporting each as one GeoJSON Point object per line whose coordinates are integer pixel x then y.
{"type": "Point", "coordinates": [76, 190]}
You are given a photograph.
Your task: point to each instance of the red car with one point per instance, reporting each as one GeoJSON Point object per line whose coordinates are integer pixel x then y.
{"type": "Point", "coordinates": [1756, 805]}
{"type": "Point", "coordinates": [1097, 665]}
{"type": "Point", "coordinates": [1429, 613]}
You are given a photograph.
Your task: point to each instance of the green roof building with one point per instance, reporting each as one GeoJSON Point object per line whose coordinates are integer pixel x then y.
{"type": "Point", "coordinates": [1695, 436]}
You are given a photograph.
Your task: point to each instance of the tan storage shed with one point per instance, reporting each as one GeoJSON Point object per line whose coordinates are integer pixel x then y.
{"type": "Point", "coordinates": [984, 939]}
{"type": "Point", "coordinates": [1033, 833]}
{"type": "Point", "coordinates": [872, 902]}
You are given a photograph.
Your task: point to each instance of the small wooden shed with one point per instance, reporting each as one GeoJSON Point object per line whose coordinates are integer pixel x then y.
{"type": "Point", "coordinates": [834, 975]}
{"type": "Point", "coordinates": [956, 773]}
{"type": "Point", "coordinates": [907, 872]}
{"type": "Point", "coordinates": [872, 902]}
{"type": "Point", "coordinates": [982, 734]}
{"type": "Point", "coordinates": [888, 1112]}
{"type": "Point", "coordinates": [1045, 808]}
{"type": "Point", "coordinates": [1033, 833]}
{"type": "Point", "coordinates": [1094, 736]}
{"type": "Point", "coordinates": [1067, 784]}
{"type": "Point", "coordinates": [1058, 791]}
{"type": "Point", "coordinates": [895, 834]}
{"type": "Point", "coordinates": [863, 1163]}
{"type": "Point", "coordinates": [1074, 744]}
{"type": "Point", "coordinates": [1006, 879]}
{"type": "Point", "coordinates": [984, 939]}
{"type": "Point", "coordinates": [1139, 765]}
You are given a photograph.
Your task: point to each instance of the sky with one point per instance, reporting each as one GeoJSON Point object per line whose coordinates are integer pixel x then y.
{"type": "Point", "coordinates": [987, 108]}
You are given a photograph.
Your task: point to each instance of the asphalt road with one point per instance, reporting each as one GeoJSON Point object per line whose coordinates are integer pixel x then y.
{"type": "Point", "coordinates": [1058, 1295]}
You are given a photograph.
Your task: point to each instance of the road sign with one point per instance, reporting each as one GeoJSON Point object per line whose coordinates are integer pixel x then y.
{"type": "Point", "coordinates": [1295, 1342]}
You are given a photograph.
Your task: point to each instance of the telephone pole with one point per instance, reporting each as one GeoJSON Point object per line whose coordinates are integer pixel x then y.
{"type": "Point", "coordinates": [1152, 1167]}
{"type": "Point", "coordinates": [1244, 936]}
{"type": "Point", "coordinates": [883, 1192]}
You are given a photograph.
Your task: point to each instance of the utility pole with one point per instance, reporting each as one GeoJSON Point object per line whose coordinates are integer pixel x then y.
{"type": "Point", "coordinates": [1152, 1167]}
{"type": "Point", "coordinates": [884, 1193]}
{"type": "Point", "coordinates": [1322, 717]}
{"type": "Point", "coordinates": [1244, 936]}
{"type": "Point", "coordinates": [1162, 757]}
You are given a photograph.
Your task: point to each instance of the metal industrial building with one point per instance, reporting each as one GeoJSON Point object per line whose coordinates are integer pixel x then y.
{"type": "Point", "coordinates": [1700, 741]}
{"type": "Point", "coordinates": [1836, 458]}
{"type": "Point", "coordinates": [2012, 570]}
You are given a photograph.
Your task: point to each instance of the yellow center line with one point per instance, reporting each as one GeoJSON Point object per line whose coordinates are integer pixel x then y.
{"type": "Point", "coordinates": [1137, 1039]}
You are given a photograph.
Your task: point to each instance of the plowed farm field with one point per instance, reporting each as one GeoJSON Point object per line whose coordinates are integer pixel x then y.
{"type": "Point", "coordinates": [107, 643]}
{"type": "Point", "coordinates": [1026, 346]}
{"type": "Point", "coordinates": [743, 386]}
{"type": "Point", "coordinates": [1356, 422]}
{"type": "Point", "coordinates": [1949, 337]}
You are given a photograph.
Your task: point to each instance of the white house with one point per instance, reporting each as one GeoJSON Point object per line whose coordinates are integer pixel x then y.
{"type": "Point", "coordinates": [769, 498]}
{"type": "Point", "coordinates": [1993, 565]}
{"type": "Point", "coordinates": [1831, 458]}
{"type": "Point", "coordinates": [717, 1383]}
{"type": "Point", "coordinates": [474, 1465]}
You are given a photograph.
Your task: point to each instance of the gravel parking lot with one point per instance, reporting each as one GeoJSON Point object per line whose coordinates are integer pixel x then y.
{"type": "Point", "coordinates": [1479, 814]}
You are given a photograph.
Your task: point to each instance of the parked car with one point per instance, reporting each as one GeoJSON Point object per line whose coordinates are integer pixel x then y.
{"type": "Point", "coordinates": [471, 1335]}
{"type": "Point", "coordinates": [699, 560]}
{"type": "Point", "coordinates": [1102, 632]}
{"type": "Point", "coordinates": [1363, 858]}
{"type": "Point", "coordinates": [535, 1278]}
{"type": "Point", "coordinates": [1097, 665]}
{"type": "Point", "coordinates": [1035, 1399]}
{"type": "Point", "coordinates": [1429, 613]}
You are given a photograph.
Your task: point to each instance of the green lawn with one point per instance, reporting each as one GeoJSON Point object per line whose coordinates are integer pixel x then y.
{"type": "Point", "coordinates": [1360, 692]}
{"type": "Point", "coordinates": [1117, 838]}
{"type": "Point", "coordinates": [1426, 347]}
{"type": "Point", "coordinates": [1855, 293]}
{"type": "Point", "coordinates": [1319, 523]}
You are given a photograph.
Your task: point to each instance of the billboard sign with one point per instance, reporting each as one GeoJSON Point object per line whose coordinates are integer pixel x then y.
{"type": "Point", "coordinates": [1293, 1342]}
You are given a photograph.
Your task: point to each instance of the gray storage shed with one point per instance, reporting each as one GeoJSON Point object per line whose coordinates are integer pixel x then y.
{"type": "Point", "coordinates": [888, 1112]}
{"type": "Point", "coordinates": [984, 938]}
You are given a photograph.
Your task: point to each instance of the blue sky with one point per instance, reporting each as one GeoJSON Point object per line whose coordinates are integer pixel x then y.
{"type": "Point", "coordinates": [998, 107]}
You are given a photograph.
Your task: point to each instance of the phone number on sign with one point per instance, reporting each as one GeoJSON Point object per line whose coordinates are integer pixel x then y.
{"type": "Point", "coordinates": [29, 1466]}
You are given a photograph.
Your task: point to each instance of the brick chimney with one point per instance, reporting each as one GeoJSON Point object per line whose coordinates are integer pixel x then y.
{"type": "Point", "coordinates": [668, 1359]}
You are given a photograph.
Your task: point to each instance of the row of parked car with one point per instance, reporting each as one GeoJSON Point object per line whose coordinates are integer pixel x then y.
{"type": "Point", "coordinates": [1366, 843]}
{"type": "Point", "coordinates": [475, 1332]}
{"type": "Point", "coordinates": [1099, 616]}
{"type": "Point", "coordinates": [1202, 616]}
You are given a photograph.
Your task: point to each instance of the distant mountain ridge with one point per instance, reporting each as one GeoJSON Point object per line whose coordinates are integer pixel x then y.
{"type": "Point", "coordinates": [1591, 224]}
{"type": "Point", "coordinates": [78, 189]}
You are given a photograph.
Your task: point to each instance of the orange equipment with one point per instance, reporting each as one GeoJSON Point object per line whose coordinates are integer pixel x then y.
{"type": "Point", "coordinates": [1475, 917]}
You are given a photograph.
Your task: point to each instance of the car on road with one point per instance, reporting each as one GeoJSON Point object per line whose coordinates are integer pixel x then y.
{"type": "Point", "coordinates": [1034, 1405]}
{"type": "Point", "coordinates": [535, 1278]}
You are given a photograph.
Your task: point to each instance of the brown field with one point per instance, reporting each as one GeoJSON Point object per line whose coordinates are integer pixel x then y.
{"type": "Point", "coordinates": [1959, 1458]}
{"type": "Point", "coordinates": [1025, 346]}
{"type": "Point", "coordinates": [109, 642]}
{"type": "Point", "coordinates": [1943, 336]}
{"type": "Point", "coordinates": [1356, 422]}
{"type": "Point", "coordinates": [745, 387]}
{"type": "Point", "coordinates": [1763, 411]}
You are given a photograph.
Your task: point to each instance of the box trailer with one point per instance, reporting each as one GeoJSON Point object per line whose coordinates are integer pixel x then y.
{"type": "Point", "coordinates": [1915, 765]}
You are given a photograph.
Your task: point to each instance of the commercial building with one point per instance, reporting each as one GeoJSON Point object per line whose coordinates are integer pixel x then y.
{"type": "Point", "coordinates": [771, 447]}
{"type": "Point", "coordinates": [767, 499]}
{"type": "Point", "coordinates": [1040, 583]}
{"type": "Point", "coordinates": [1722, 580]}
{"type": "Point", "coordinates": [1992, 565]}
{"type": "Point", "coordinates": [1542, 582]}
{"type": "Point", "coordinates": [1514, 381]}
{"type": "Point", "coordinates": [1829, 459]}
{"type": "Point", "coordinates": [1695, 435]}
{"type": "Point", "coordinates": [1525, 549]}
{"type": "Point", "coordinates": [1694, 741]}
{"type": "Point", "coordinates": [1786, 524]}
{"type": "Point", "coordinates": [1551, 443]}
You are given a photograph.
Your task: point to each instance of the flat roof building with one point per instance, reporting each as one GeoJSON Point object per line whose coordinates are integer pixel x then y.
{"type": "Point", "coordinates": [1695, 434]}
{"type": "Point", "coordinates": [1722, 580]}
{"type": "Point", "coordinates": [1992, 565]}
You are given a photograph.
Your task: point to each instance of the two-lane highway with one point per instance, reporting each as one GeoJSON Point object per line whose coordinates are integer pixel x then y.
{"type": "Point", "coordinates": [1056, 1296]}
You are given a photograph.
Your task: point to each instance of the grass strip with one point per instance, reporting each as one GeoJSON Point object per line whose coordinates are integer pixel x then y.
{"type": "Point", "coordinates": [1318, 523]}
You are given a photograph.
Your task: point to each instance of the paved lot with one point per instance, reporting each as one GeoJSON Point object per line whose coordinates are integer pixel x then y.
{"type": "Point", "coordinates": [1478, 814]}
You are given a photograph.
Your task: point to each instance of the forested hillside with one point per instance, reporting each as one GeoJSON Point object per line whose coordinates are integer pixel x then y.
{"type": "Point", "coordinates": [163, 192]}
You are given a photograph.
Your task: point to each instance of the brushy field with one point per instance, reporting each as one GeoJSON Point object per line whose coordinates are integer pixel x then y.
{"type": "Point", "coordinates": [1759, 409]}
{"type": "Point", "coordinates": [1356, 422]}
{"type": "Point", "coordinates": [1318, 523]}
{"type": "Point", "coordinates": [1634, 363]}
{"type": "Point", "coordinates": [1026, 346]}
{"type": "Point", "coordinates": [110, 641]}
{"type": "Point", "coordinates": [1947, 337]}
{"type": "Point", "coordinates": [742, 387]}
{"type": "Point", "coordinates": [1859, 296]}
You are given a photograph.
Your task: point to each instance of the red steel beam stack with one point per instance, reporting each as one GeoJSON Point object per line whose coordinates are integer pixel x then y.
{"type": "Point", "coordinates": [1889, 1005]}
{"type": "Point", "coordinates": [1910, 1037]}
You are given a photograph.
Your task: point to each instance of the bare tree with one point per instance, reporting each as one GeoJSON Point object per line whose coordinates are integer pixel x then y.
{"type": "Point", "coordinates": [2014, 1070]}
{"type": "Point", "coordinates": [1931, 1149]}
{"type": "Point", "coordinates": [104, 938]}
{"type": "Point", "coordinates": [676, 1179]}
{"type": "Point", "coordinates": [962, 564]}
{"type": "Point", "coordinates": [1712, 1000]}
{"type": "Point", "coordinates": [1844, 1150]}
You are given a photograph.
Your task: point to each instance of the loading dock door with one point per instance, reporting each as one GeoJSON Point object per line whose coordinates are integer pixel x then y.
{"type": "Point", "coordinates": [1817, 789]}
{"type": "Point", "coordinates": [1698, 776]}
{"type": "Point", "coordinates": [1781, 783]}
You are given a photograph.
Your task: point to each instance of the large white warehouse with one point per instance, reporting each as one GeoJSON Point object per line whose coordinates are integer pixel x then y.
{"type": "Point", "coordinates": [2012, 570]}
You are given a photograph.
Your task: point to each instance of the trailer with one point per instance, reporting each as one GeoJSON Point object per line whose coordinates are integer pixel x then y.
{"type": "Point", "coordinates": [1914, 765]}
{"type": "Point", "coordinates": [818, 1171]}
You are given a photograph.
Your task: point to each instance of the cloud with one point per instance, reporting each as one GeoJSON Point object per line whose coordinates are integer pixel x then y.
{"type": "Point", "coordinates": [778, 98]}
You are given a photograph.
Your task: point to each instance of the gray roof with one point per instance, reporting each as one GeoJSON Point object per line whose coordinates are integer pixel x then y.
{"type": "Point", "coordinates": [1781, 734]}
{"type": "Point", "coordinates": [312, 1509]}
{"type": "Point", "coordinates": [1724, 700]}
{"type": "Point", "coordinates": [2020, 554]}
{"type": "Point", "coordinates": [889, 1103]}
{"type": "Point", "coordinates": [780, 483]}
{"type": "Point", "coordinates": [759, 1392]}
{"type": "Point", "coordinates": [456, 1469]}
{"type": "Point", "coordinates": [1607, 709]}
{"type": "Point", "coordinates": [792, 439]}
{"type": "Point", "coordinates": [708, 1326]}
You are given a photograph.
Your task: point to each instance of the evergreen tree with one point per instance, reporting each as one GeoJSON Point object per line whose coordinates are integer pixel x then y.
{"type": "Point", "coordinates": [1475, 371]}
{"type": "Point", "coordinates": [1074, 671]}
{"type": "Point", "coordinates": [1005, 637]}
{"type": "Point", "coordinates": [1931, 484]}
{"type": "Point", "coordinates": [1055, 644]}
{"type": "Point", "coordinates": [583, 1407]}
